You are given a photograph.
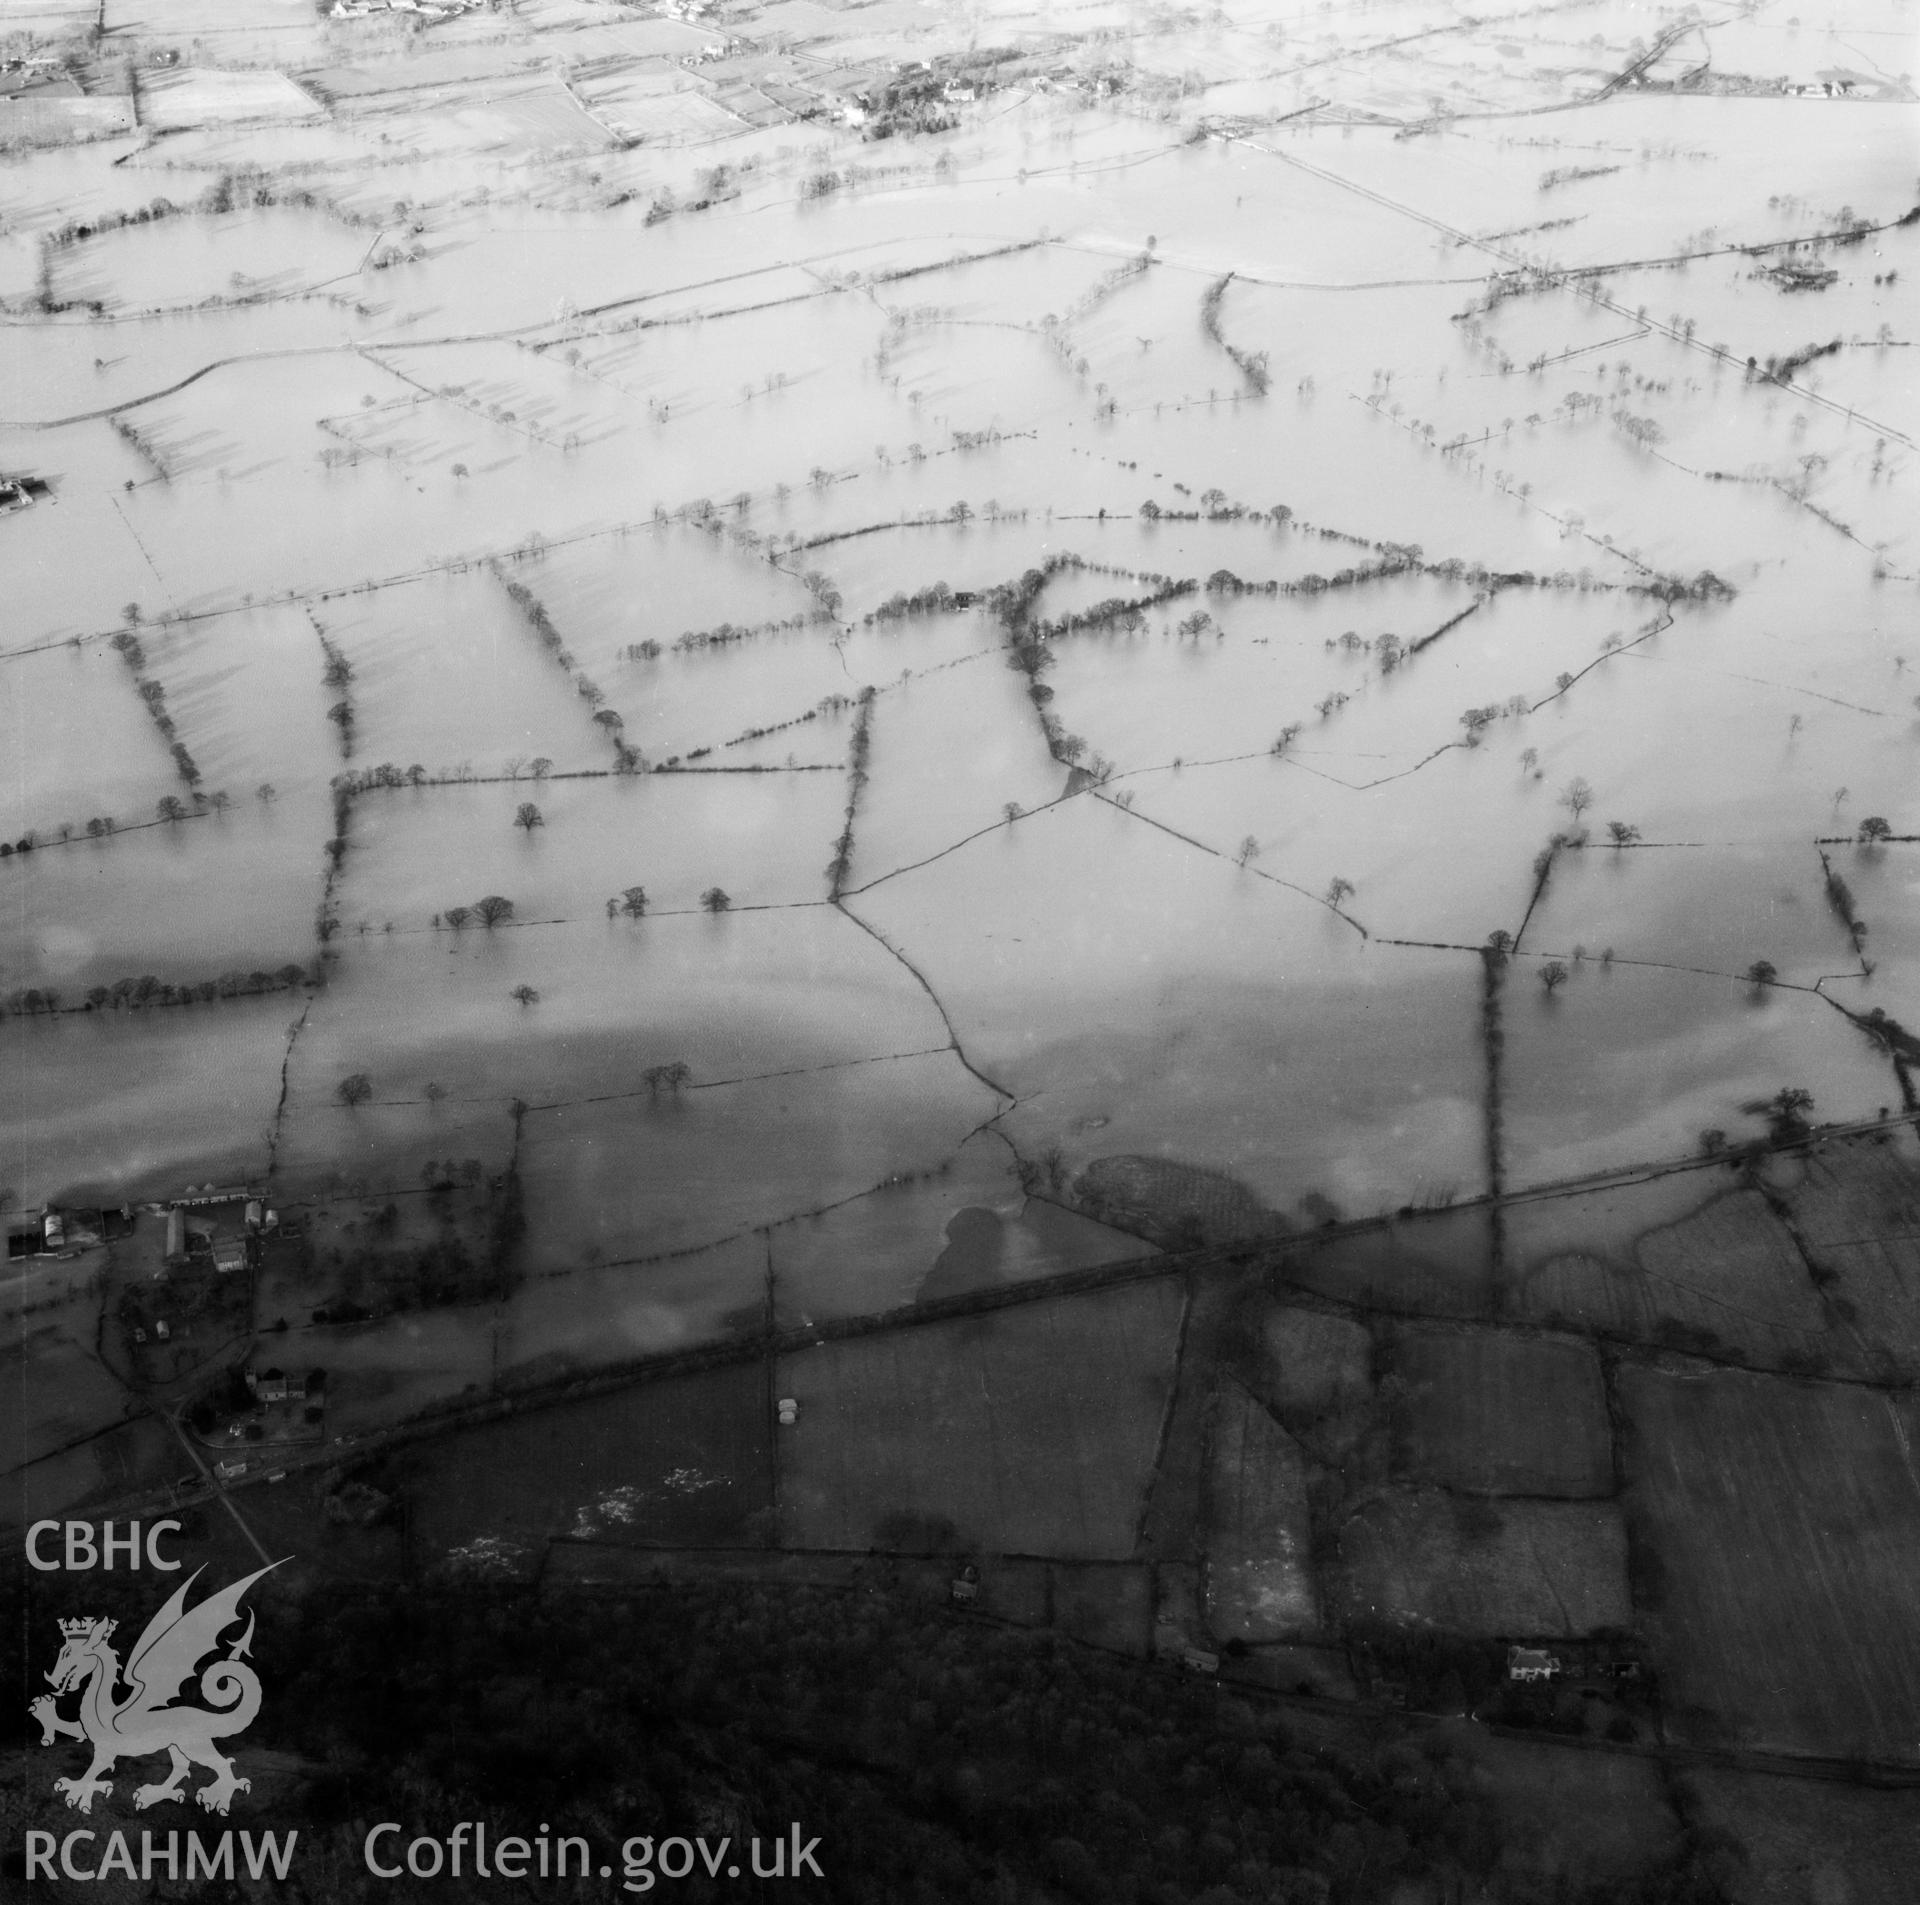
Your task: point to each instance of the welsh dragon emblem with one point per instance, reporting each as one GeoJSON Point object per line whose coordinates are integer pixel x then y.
{"type": "Point", "coordinates": [144, 1721]}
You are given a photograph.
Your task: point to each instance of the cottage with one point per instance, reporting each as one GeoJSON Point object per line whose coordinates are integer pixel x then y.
{"type": "Point", "coordinates": [229, 1254]}
{"type": "Point", "coordinates": [1532, 1664]}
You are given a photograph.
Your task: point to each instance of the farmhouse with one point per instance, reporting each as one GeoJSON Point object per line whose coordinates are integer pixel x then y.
{"type": "Point", "coordinates": [1532, 1663]}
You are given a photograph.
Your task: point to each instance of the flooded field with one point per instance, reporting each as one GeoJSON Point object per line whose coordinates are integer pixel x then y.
{"type": "Point", "coordinates": [1407, 509]}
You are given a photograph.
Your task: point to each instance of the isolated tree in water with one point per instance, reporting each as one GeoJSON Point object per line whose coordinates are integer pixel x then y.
{"type": "Point", "coordinates": [633, 902]}
{"type": "Point", "coordinates": [715, 899]}
{"type": "Point", "coordinates": [528, 817]}
{"type": "Point", "coordinates": [1874, 829]}
{"type": "Point", "coordinates": [492, 910]}
{"type": "Point", "coordinates": [1762, 973]}
{"type": "Point", "coordinates": [526, 995]}
{"type": "Point", "coordinates": [1622, 833]}
{"type": "Point", "coordinates": [1553, 975]}
{"type": "Point", "coordinates": [355, 1089]}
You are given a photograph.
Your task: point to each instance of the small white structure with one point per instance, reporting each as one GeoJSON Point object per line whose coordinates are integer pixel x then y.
{"type": "Point", "coordinates": [1199, 1660]}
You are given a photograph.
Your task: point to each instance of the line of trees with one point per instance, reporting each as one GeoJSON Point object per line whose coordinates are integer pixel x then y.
{"type": "Point", "coordinates": [842, 862]}
{"type": "Point", "coordinates": [147, 991]}
{"type": "Point", "coordinates": [492, 911]}
{"type": "Point", "coordinates": [127, 645]}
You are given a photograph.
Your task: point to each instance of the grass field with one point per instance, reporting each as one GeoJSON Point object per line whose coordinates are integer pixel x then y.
{"type": "Point", "coordinates": [684, 1460]}
{"type": "Point", "coordinates": [581, 1319]}
{"type": "Point", "coordinates": [1858, 1212]}
{"type": "Point", "coordinates": [1259, 1572]}
{"type": "Point", "coordinates": [1785, 1518]}
{"type": "Point", "coordinates": [1589, 1819]}
{"type": "Point", "coordinates": [1416, 1557]}
{"type": "Point", "coordinates": [1438, 1266]}
{"type": "Point", "coordinates": [1498, 1414]}
{"type": "Point", "coordinates": [1802, 1844]}
{"type": "Point", "coordinates": [1029, 1432]}
{"type": "Point", "coordinates": [1726, 1278]}
{"type": "Point", "coordinates": [1314, 1362]}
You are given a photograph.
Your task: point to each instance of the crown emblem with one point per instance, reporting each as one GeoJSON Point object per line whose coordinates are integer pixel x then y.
{"type": "Point", "coordinates": [75, 1629]}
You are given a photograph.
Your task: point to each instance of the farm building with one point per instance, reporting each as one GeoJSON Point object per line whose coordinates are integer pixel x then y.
{"type": "Point", "coordinates": [1532, 1663]}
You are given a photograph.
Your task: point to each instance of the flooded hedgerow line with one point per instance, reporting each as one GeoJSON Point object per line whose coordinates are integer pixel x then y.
{"type": "Point", "coordinates": [489, 413]}
{"type": "Point", "coordinates": [277, 1128]}
{"type": "Point", "coordinates": [652, 1087]}
{"type": "Point", "coordinates": [1011, 815]}
{"type": "Point", "coordinates": [857, 755]}
{"type": "Point", "coordinates": [96, 829]}
{"type": "Point", "coordinates": [1785, 687]}
{"type": "Point", "coordinates": [939, 1005]}
{"type": "Point", "coordinates": [1840, 902]}
{"type": "Point", "coordinates": [126, 644]}
{"type": "Point", "coordinates": [533, 613]}
{"type": "Point", "coordinates": [1338, 891]}
{"type": "Point", "coordinates": [1493, 1038]}
{"type": "Point", "coordinates": [764, 1227]}
{"type": "Point", "coordinates": [1252, 365]}
{"type": "Point", "coordinates": [1612, 647]}
{"type": "Point", "coordinates": [148, 993]}
{"type": "Point", "coordinates": [337, 677]}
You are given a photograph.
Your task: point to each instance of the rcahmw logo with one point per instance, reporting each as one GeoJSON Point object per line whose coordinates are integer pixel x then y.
{"type": "Point", "coordinates": [142, 1720]}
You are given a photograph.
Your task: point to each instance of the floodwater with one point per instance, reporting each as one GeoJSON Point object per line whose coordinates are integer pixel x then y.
{"type": "Point", "coordinates": [744, 420]}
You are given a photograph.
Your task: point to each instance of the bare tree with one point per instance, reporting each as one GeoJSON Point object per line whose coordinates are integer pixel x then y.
{"type": "Point", "coordinates": [1577, 798]}
{"type": "Point", "coordinates": [1553, 975]}
{"type": "Point", "coordinates": [528, 817]}
{"type": "Point", "coordinates": [355, 1089]}
{"type": "Point", "coordinates": [526, 995]}
{"type": "Point", "coordinates": [715, 899]}
{"type": "Point", "coordinates": [493, 909]}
